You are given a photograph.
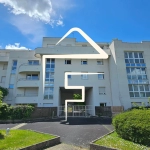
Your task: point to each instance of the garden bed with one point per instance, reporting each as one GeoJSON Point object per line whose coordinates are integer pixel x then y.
{"type": "Point", "coordinates": [112, 141]}
{"type": "Point", "coordinates": [26, 139]}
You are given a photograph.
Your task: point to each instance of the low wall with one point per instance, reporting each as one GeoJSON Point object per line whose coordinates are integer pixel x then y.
{"type": "Point", "coordinates": [94, 146]}
{"type": "Point", "coordinates": [44, 112]}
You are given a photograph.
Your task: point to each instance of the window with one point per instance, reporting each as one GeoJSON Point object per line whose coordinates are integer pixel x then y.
{"type": "Point", "coordinates": [102, 104]}
{"type": "Point", "coordinates": [101, 75]}
{"type": "Point", "coordinates": [33, 62]}
{"type": "Point", "coordinates": [102, 90]}
{"type": "Point", "coordinates": [11, 86]}
{"type": "Point", "coordinates": [83, 62]}
{"type": "Point", "coordinates": [84, 76]}
{"type": "Point", "coordinates": [14, 66]}
{"type": "Point", "coordinates": [48, 92]}
{"type": "Point", "coordinates": [99, 62]}
{"type": "Point", "coordinates": [50, 65]}
{"type": "Point", "coordinates": [3, 78]}
{"type": "Point", "coordinates": [32, 77]}
{"type": "Point", "coordinates": [139, 90]}
{"type": "Point", "coordinates": [68, 62]}
{"type": "Point", "coordinates": [5, 67]}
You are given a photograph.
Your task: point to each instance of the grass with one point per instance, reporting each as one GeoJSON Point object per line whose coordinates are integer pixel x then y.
{"type": "Point", "coordinates": [114, 141]}
{"type": "Point", "coordinates": [21, 138]}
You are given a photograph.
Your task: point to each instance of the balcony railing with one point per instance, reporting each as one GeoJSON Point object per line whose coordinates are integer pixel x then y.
{"type": "Point", "coordinates": [27, 95]}
{"type": "Point", "coordinates": [28, 79]}
{"type": "Point", "coordinates": [138, 81]}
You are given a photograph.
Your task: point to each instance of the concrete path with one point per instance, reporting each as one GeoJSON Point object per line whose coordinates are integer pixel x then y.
{"type": "Point", "coordinates": [64, 146]}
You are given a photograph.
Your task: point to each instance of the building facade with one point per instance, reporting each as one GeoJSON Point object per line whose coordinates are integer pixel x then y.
{"type": "Point", "coordinates": [122, 80]}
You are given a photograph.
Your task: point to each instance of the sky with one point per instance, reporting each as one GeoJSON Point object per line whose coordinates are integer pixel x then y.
{"type": "Point", "coordinates": [23, 23]}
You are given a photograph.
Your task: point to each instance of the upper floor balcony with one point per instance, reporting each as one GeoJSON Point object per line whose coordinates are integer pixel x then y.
{"type": "Point", "coordinates": [4, 57]}
{"type": "Point", "coordinates": [27, 67]}
{"type": "Point", "coordinates": [23, 82]}
{"type": "Point", "coordinates": [26, 99]}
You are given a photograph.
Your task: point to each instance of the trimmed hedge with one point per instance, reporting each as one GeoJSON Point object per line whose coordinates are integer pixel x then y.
{"type": "Point", "coordinates": [134, 125]}
{"type": "Point", "coordinates": [15, 112]}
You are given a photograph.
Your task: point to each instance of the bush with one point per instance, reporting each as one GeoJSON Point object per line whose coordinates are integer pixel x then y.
{"type": "Point", "coordinates": [4, 91]}
{"type": "Point", "coordinates": [15, 112]}
{"type": "Point", "coordinates": [134, 125]}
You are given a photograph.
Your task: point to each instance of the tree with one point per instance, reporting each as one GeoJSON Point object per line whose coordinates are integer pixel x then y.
{"type": "Point", "coordinates": [4, 92]}
{"type": "Point", "coordinates": [1, 96]}
{"type": "Point", "coordinates": [78, 96]}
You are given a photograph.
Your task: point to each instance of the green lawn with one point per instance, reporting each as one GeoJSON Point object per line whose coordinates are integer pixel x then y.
{"type": "Point", "coordinates": [114, 141]}
{"type": "Point", "coordinates": [21, 138]}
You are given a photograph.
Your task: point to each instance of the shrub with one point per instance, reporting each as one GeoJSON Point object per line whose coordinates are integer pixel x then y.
{"type": "Point", "coordinates": [134, 125]}
{"type": "Point", "coordinates": [4, 91]}
{"type": "Point", "coordinates": [15, 112]}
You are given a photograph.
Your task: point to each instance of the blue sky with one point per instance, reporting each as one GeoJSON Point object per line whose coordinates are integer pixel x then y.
{"type": "Point", "coordinates": [26, 22]}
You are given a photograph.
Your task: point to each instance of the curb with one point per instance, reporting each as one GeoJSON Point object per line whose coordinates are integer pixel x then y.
{"type": "Point", "coordinates": [94, 146]}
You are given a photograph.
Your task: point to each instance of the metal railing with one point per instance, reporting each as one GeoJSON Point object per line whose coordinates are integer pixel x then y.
{"type": "Point", "coordinates": [29, 79]}
{"type": "Point", "coordinates": [76, 111]}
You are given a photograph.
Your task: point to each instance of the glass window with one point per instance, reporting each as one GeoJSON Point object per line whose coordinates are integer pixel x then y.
{"type": "Point", "coordinates": [137, 61]}
{"type": "Point", "coordinates": [130, 88]}
{"type": "Point", "coordinates": [139, 77]}
{"type": "Point", "coordinates": [47, 60]}
{"type": "Point", "coordinates": [141, 60]}
{"type": "Point", "coordinates": [133, 77]}
{"type": "Point", "coordinates": [129, 76]}
{"type": "Point", "coordinates": [126, 55]}
{"type": "Point", "coordinates": [128, 70]}
{"type": "Point", "coordinates": [131, 60]}
{"type": "Point", "coordinates": [140, 55]}
{"type": "Point", "coordinates": [141, 87]}
{"type": "Point", "coordinates": [126, 60]}
{"type": "Point", "coordinates": [101, 76]}
{"type": "Point", "coordinates": [135, 55]}
{"type": "Point", "coordinates": [11, 86]}
{"type": "Point", "coordinates": [102, 90]}
{"type": "Point", "coordinates": [147, 94]}
{"type": "Point", "coordinates": [33, 62]}
{"type": "Point", "coordinates": [131, 94]}
{"type": "Point", "coordinates": [135, 87]}
{"type": "Point", "coordinates": [84, 76]}
{"type": "Point", "coordinates": [69, 76]}
{"type": "Point", "coordinates": [130, 55]}
{"type": "Point", "coordinates": [14, 62]}
{"type": "Point", "coordinates": [146, 87]}
{"type": "Point", "coordinates": [47, 65]}
{"type": "Point", "coordinates": [136, 94]}
{"type": "Point", "coordinates": [99, 62]}
{"type": "Point", "coordinates": [52, 60]}
{"type": "Point", "coordinates": [68, 62]}
{"type": "Point", "coordinates": [83, 62]}
{"type": "Point", "coordinates": [142, 94]}
{"type": "Point", "coordinates": [143, 71]}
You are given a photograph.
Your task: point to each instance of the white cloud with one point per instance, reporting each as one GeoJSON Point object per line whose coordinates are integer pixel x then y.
{"type": "Point", "coordinates": [33, 29]}
{"type": "Point", "coordinates": [38, 9]}
{"type": "Point", "coordinates": [16, 46]}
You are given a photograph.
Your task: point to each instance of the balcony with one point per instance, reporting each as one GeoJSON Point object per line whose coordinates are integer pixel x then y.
{"type": "Point", "coordinates": [4, 57]}
{"type": "Point", "coordinates": [26, 99]}
{"type": "Point", "coordinates": [29, 68]}
{"type": "Point", "coordinates": [28, 83]}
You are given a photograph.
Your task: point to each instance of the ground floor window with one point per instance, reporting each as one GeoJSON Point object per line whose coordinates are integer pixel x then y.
{"type": "Point", "coordinates": [103, 104]}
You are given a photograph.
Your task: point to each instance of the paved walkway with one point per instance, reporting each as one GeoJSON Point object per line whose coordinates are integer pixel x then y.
{"type": "Point", "coordinates": [64, 146]}
{"type": "Point", "coordinates": [78, 135]}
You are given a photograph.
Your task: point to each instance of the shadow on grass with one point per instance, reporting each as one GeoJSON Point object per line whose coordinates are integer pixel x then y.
{"type": "Point", "coordinates": [1, 136]}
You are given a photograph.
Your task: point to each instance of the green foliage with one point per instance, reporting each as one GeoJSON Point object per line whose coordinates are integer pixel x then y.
{"type": "Point", "coordinates": [134, 125]}
{"type": "Point", "coordinates": [78, 96]}
{"type": "Point", "coordinates": [1, 96]}
{"type": "Point", "coordinates": [15, 112]}
{"type": "Point", "coordinates": [4, 91]}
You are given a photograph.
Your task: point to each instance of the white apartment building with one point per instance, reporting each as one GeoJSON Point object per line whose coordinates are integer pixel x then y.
{"type": "Point", "coordinates": [123, 79]}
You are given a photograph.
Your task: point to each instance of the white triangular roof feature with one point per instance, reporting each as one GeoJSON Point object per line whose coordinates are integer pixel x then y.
{"type": "Point", "coordinates": [102, 54]}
